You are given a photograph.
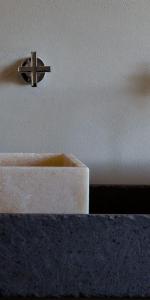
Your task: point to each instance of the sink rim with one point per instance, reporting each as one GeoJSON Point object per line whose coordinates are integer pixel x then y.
{"type": "Point", "coordinates": [40, 160]}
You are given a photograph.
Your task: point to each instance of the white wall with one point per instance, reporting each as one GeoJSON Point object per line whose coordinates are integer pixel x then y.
{"type": "Point", "coordinates": [96, 102]}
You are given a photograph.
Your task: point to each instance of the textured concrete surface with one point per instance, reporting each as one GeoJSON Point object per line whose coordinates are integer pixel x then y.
{"type": "Point", "coordinates": [75, 255]}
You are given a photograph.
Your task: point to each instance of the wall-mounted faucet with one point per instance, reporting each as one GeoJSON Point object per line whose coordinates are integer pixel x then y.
{"type": "Point", "coordinates": [33, 70]}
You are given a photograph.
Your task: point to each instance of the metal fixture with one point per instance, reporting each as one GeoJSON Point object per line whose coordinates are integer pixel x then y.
{"type": "Point", "coordinates": [33, 70]}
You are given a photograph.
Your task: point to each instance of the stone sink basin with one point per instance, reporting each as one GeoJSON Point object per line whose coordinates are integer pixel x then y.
{"type": "Point", "coordinates": [43, 183]}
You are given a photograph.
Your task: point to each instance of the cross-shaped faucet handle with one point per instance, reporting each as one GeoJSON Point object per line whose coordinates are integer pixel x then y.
{"type": "Point", "coordinates": [33, 70]}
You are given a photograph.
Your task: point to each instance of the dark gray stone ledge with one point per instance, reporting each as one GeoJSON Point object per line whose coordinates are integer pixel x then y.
{"type": "Point", "coordinates": [74, 255]}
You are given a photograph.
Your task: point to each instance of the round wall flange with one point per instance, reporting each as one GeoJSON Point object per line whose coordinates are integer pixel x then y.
{"type": "Point", "coordinates": [27, 76]}
{"type": "Point", "coordinates": [33, 69]}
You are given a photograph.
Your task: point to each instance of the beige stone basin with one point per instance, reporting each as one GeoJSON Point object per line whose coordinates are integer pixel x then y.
{"type": "Point", "coordinates": [43, 183]}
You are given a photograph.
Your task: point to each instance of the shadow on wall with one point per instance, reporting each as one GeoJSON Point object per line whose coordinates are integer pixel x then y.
{"type": "Point", "coordinates": [139, 82]}
{"type": "Point", "coordinates": [135, 174]}
{"type": "Point", "coordinates": [10, 74]}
